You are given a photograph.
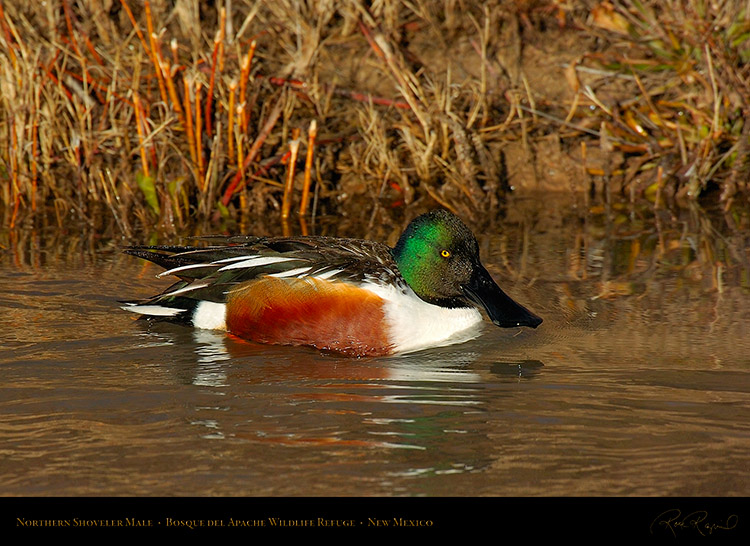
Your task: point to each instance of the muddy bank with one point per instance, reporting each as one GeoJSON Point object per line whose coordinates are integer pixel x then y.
{"type": "Point", "coordinates": [171, 113]}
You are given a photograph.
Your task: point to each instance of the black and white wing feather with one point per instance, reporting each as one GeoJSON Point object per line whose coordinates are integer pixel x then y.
{"type": "Point", "coordinates": [210, 273]}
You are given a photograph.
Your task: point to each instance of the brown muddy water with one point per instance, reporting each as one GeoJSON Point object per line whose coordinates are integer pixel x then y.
{"type": "Point", "coordinates": [637, 383]}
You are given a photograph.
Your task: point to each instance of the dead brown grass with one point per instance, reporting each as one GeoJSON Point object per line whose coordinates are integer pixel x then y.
{"type": "Point", "coordinates": [167, 113]}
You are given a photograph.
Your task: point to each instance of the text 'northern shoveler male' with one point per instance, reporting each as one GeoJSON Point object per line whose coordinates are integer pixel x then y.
{"type": "Point", "coordinates": [351, 296]}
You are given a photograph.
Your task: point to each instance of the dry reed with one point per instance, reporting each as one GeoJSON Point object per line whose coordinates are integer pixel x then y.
{"type": "Point", "coordinates": [406, 104]}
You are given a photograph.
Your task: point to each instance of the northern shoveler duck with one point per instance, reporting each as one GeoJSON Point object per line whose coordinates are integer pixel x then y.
{"type": "Point", "coordinates": [350, 296]}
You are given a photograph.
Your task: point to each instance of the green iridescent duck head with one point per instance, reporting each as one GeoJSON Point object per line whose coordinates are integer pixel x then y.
{"type": "Point", "coordinates": [438, 256]}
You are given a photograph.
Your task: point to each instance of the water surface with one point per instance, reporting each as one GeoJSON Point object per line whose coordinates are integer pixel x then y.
{"type": "Point", "coordinates": [637, 383]}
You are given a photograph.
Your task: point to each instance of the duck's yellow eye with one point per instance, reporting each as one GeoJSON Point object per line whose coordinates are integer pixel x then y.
{"type": "Point", "coordinates": [445, 253]}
